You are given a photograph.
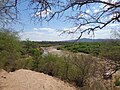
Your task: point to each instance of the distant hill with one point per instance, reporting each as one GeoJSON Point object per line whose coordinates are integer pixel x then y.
{"type": "Point", "coordinates": [76, 40]}
{"type": "Point", "coordinates": [91, 40]}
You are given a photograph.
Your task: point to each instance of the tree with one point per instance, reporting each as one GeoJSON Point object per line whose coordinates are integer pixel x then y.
{"type": "Point", "coordinates": [84, 15]}
{"type": "Point", "coordinates": [9, 49]}
{"type": "Point", "coordinates": [8, 11]}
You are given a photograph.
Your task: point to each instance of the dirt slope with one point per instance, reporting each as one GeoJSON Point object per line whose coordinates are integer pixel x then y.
{"type": "Point", "coordinates": [30, 80]}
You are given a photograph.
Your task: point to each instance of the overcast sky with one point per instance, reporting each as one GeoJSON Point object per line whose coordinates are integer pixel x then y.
{"type": "Point", "coordinates": [51, 31]}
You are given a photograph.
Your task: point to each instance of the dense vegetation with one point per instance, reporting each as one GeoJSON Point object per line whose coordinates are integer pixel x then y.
{"type": "Point", "coordinates": [85, 47]}
{"type": "Point", "coordinates": [9, 49]}
{"type": "Point", "coordinates": [77, 69]}
{"type": "Point", "coordinates": [117, 81]}
{"type": "Point", "coordinates": [109, 49]}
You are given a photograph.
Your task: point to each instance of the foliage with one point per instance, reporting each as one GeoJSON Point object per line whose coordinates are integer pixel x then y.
{"type": "Point", "coordinates": [51, 65]}
{"type": "Point", "coordinates": [85, 47]}
{"type": "Point", "coordinates": [31, 52]}
{"type": "Point", "coordinates": [59, 48]}
{"type": "Point", "coordinates": [111, 50]}
{"type": "Point", "coordinates": [9, 49]}
{"type": "Point", "coordinates": [117, 82]}
{"type": "Point", "coordinates": [31, 48]}
{"type": "Point", "coordinates": [108, 49]}
{"type": "Point", "coordinates": [26, 63]}
{"type": "Point", "coordinates": [72, 67]}
{"type": "Point", "coordinates": [86, 68]}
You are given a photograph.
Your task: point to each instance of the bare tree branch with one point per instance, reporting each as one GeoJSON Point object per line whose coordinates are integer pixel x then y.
{"type": "Point", "coordinates": [48, 9]}
{"type": "Point", "coordinates": [8, 11]}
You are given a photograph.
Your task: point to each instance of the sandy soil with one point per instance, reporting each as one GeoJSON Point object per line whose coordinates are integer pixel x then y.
{"type": "Point", "coordinates": [53, 50]}
{"type": "Point", "coordinates": [31, 80]}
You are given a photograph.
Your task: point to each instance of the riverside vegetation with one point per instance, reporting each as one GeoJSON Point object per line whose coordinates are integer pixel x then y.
{"type": "Point", "coordinates": [81, 70]}
{"type": "Point", "coordinates": [109, 49]}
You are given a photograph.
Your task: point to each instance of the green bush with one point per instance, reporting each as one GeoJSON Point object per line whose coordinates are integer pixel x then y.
{"type": "Point", "coordinates": [59, 48]}
{"type": "Point", "coordinates": [117, 82]}
{"type": "Point", "coordinates": [72, 67]}
{"type": "Point", "coordinates": [25, 63]}
{"type": "Point", "coordinates": [85, 47]}
{"type": "Point", "coordinates": [111, 51]}
{"type": "Point", "coordinates": [51, 64]}
{"type": "Point", "coordinates": [9, 49]}
{"type": "Point", "coordinates": [31, 48]}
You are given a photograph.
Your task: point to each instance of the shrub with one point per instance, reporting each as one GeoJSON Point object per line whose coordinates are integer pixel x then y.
{"type": "Point", "coordinates": [117, 82]}
{"type": "Point", "coordinates": [86, 68]}
{"type": "Point", "coordinates": [51, 64]}
{"type": "Point", "coordinates": [9, 49]}
{"type": "Point", "coordinates": [51, 68]}
{"type": "Point", "coordinates": [111, 51]}
{"type": "Point", "coordinates": [25, 63]}
{"type": "Point", "coordinates": [59, 48]}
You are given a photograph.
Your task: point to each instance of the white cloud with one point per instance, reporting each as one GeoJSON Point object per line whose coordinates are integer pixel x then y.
{"type": "Point", "coordinates": [114, 1]}
{"type": "Point", "coordinates": [43, 13]}
{"type": "Point", "coordinates": [105, 0]}
{"type": "Point", "coordinates": [87, 11]}
{"type": "Point", "coordinates": [113, 25]}
{"type": "Point", "coordinates": [103, 34]}
{"type": "Point", "coordinates": [105, 7]}
{"type": "Point", "coordinates": [98, 34]}
{"type": "Point", "coordinates": [96, 10]}
{"type": "Point", "coordinates": [44, 29]}
{"type": "Point", "coordinates": [50, 34]}
{"type": "Point", "coordinates": [110, 1]}
{"type": "Point", "coordinates": [35, 28]}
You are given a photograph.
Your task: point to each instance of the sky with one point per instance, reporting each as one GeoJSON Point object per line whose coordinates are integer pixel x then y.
{"type": "Point", "coordinates": [51, 31]}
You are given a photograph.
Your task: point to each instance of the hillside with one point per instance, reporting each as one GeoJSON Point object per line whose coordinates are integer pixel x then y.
{"type": "Point", "coordinates": [31, 80]}
{"type": "Point", "coordinates": [92, 40]}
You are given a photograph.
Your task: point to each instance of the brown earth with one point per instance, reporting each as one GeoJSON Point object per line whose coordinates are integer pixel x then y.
{"type": "Point", "coordinates": [30, 80]}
